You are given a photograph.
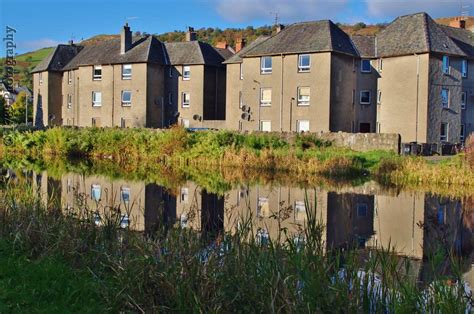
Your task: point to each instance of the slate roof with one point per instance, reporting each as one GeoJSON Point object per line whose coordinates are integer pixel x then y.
{"type": "Point", "coordinates": [319, 36]}
{"type": "Point", "coordinates": [144, 49]}
{"type": "Point", "coordinates": [58, 58]}
{"type": "Point", "coordinates": [193, 52]}
{"type": "Point", "coordinates": [415, 33]}
{"type": "Point", "coordinates": [463, 38]}
{"type": "Point", "coordinates": [226, 53]}
{"type": "Point", "coordinates": [237, 58]}
{"type": "Point", "coordinates": [365, 45]}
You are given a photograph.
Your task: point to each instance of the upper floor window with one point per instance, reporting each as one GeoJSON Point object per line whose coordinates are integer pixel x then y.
{"type": "Point", "coordinates": [186, 72]}
{"type": "Point", "coordinates": [445, 97]}
{"type": "Point", "coordinates": [40, 78]}
{"type": "Point", "coordinates": [463, 100]}
{"type": "Point", "coordinates": [304, 63]}
{"type": "Point", "coordinates": [365, 97]}
{"type": "Point", "coordinates": [266, 65]}
{"type": "Point", "coordinates": [242, 71]}
{"type": "Point", "coordinates": [126, 98]}
{"type": "Point", "coordinates": [265, 97]}
{"type": "Point", "coordinates": [97, 72]}
{"type": "Point", "coordinates": [69, 101]}
{"type": "Point", "coordinates": [126, 72]}
{"type": "Point", "coordinates": [69, 77]}
{"type": "Point", "coordinates": [303, 96]}
{"type": "Point", "coordinates": [96, 99]}
{"type": "Point", "coordinates": [464, 68]}
{"type": "Point", "coordinates": [186, 101]}
{"type": "Point", "coordinates": [446, 67]}
{"type": "Point", "coordinates": [365, 66]}
{"type": "Point", "coordinates": [444, 132]}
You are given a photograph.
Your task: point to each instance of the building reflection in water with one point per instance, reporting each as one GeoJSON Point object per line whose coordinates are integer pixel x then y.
{"type": "Point", "coordinates": [416, 225]}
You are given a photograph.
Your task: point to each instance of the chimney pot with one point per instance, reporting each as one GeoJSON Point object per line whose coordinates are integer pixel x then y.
{"type": "Point", "coordinates": [222, 45]}
{"type": "Point", "coordinates": [279, 28]}
{"type": "Point", "coordinates": [191, 34]}
{"type": "Point", "coordinates": [458, 22]}
{"type": "Point", "coordinates": [239, 44]}
{"type": "Point", "coordinates": [70, 42]}
{"type": "Point", "coordinates": [125, 39]}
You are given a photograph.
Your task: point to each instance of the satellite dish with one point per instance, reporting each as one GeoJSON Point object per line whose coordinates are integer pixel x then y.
{"type": "Point", "coordinates": [245, 116]}
{"type": "Point", "coordinates": [244, 108]}
{"type": "Point", "coordinates": [196, 117]}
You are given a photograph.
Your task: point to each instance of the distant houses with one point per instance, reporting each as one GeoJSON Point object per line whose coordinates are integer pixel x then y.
{"type": "Point", "coordinates": [414, 78]}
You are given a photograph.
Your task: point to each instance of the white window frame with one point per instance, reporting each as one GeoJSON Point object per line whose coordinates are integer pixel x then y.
{"type": "Point", "coordinates": [379, 97]}
{"type": "Point", "coordinates": [184, 195]}
{"type": "Point", "coordinates": [299, 210]}
{"type": "Point", "coordinates": [96, 187]}
{"type": "Point", "coordinates": [446, 136]}
{"type": "Point", "coordinates": [380, 65]}
{"type": "Point", "coordinates": [69, 77]}
{"type": "Point", "coordinates": [263, 69]}
{"type": "Point", "coordinates": [185, 123]}
{"type": "Point", "coordinates": [96, 103]}
{"type": "Point", "coordinates": [304, 68]}
{"type": "Point", "coordinates": [96, 77]}
{"type": "Point", "coordinates": [362, 66]}
{"type": "Point", "coordinates": [301, 101]}
{"type": "Point", "coordinates": [446, 67]}
{"type": "Point", "coordinates": [298, 126]}
{"type": "Point", "coordinates": [69, 101]}
{"type": "Point", "coordinates": [463, 100]}
{"type": "Point", "coordinates": [461, 135]}
{"type": "Point", "coordinates": [261, 211]}
{"type": "Point", "coordinates": [360, 97]}
{"type": "Point", "coordinates": [126, 103]}
{"type": "Point", "coordinates": [464, 68]}
{"type": "Point", "coordinates": [126, 76]}
{"type": "Point", "coordinates": [183, 98]}
{"type": "Point", "coordinates": [261, 125]}
{"type": "Point", "coordinates": [447, 103]}
{"type": "Point", "coordinates": [262, 102]}
{"type": "Point", "coordinates": [186, 72]}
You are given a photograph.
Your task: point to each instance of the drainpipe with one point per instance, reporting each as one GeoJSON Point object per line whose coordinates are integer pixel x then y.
{"type": "Point", "coordinates": [417, 92]}
{"type": "Point", "coordinates": [77, 102]}
{"type": "Point", "coordinates": [281, 94]}
{"type": "Point", "coordinates": [291, 111]}
{"type": "Point", "coordinates": [113, 93]}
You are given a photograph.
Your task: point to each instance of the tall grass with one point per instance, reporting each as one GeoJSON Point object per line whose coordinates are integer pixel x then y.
{"type": "Point", "coordinates": [179, 269]}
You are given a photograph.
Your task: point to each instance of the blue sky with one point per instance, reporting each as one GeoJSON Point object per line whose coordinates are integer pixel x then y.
{"type": "Point", "coordinates": [42, 23]}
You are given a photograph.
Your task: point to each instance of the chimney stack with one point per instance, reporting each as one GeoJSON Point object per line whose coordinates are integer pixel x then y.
{"type": "Point", "coordinates": [279, 28]}
{"type": "Point", "coordinates": [458, 22]}
{"type": "Point", "coordinates": [222, 45]}
{"type": "Point", "coordinates": [125, 39]}
{"type": "Point", "coordinates": [191, 34]}
{"type": "Point", "coordinates": [70, 42]}
{"type": "Point", "coordinates": [239, 44]}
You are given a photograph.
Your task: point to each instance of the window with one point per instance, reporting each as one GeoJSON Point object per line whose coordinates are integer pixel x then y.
{"type": "Point", "coordinates": [125, 195]}
{"type": "Point", "coordinates": [96, 99]}
{"type": "Point", "coordinates": [184, 195]}
{"type": "Point", "coordinates": [241, 100]}
{"type": "Point", "coordinates": [186, 99]}
{"type": "Point", "coordinates": [123, 123]}
{"type": "Point", "coordinates": [266, 65]}
{"type": "Point", "coordinates": [69, 101]}
{"type": "Point", "coordinates": [69, 77]}
{"type": "Point", "coordinates": [183, 220]}
{"type": "Point", "coordinates": [444, 132]}
{"type": "Point", "coordinates": [461, 136]}
{"type": "Point", "coordinates": [445, 97]}
{"type": "Point", "coordinates": [242, 71]}
{"type": "Point", "coordinates": [302, 125]}
{"type": "Point", "coordinates": [170, 98]}
{"type": "Point", "coordinates": [365, 97]}
{"type": "Point", "coordinates": [170, 72]}
{"type": "Point", "coordinates": [126, 72]}
{"type": "Point", "coordinates": [304, 63]}
{"type": "Point", "coordinates": [185, 123]}
{"type": "Point", "coordinates": [379, 97]}
{"type": "Point", "coordinates": [186, 72]}
{"type": "Point", "coordinates": [463, 100]}
{"type": "Point", "coordinates": [97, 73]}
{"type": "Point", "coordinates": [362, 209]}
{"type": "Point", "coordinates": [265, 126]}
{"type": "Point", "coordinates": [265, 97]}
{"type": "Point", "coordinates": [40, 78]}
{"type": "Point", "coordinates": [446, 67]}
{"type": "Point", "coordinates": [303, 96]}
{"type": "Point", "coordinates": [95, 192]}
{"type": "Point", "coordinates": [365, 66]}
{"type": "Point", "coordinates": [300, 211]}
{"type": "Point", "coordinates": [364, 127]}
{"type": "Point", "coordinates": [464, 68]}
{"type": "Point", "coordinates": [126, 98]}
{"type": "Point", "coordinates": [124, 221]}
{"type": "Point", "coordinates": [263, 208]}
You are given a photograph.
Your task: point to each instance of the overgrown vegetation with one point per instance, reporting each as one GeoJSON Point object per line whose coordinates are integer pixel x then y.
{"type": "Point", "coordinates": [179, 269]}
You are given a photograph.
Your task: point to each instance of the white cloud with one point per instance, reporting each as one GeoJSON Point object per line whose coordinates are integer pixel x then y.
{"type": "Point", "coordinates": [393, 8]}
{"type": "Point", "coordinates": [30, 45]}
{"type": "Point", "coordinates": [288, 10]}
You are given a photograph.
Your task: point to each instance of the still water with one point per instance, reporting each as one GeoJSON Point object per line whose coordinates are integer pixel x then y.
{"type": "Point", "coordinates": [415, 224]}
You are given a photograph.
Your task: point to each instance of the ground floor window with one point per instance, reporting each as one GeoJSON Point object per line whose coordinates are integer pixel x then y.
{"type": "Point", "coordinates": [364, 127]}
{"type": "Point", "coordinates": [96, 122]}
{"type": "Point", "coordinates": [265, 126]}
{"type": "Point", "coordinates": [185, 123]}
{"type": "Point", "coordinates": [302, 125]}
{"type": "Point", "coordinates": [263, 207]}
{"type": "Point", "coordinates": [444, 132]}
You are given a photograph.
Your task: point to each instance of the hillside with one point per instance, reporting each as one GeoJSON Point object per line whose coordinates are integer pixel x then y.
{"type": "Point", "coordinates": [26, 62]}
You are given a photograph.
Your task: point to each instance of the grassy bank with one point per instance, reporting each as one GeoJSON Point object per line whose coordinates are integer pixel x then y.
{"type": "Point", "coordinates": [176, 269]}
{"type": "Point", "coordinates": [178, 149]}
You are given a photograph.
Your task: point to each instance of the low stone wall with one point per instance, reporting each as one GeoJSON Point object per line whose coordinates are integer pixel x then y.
{"type": "Point", "coordinates": [361, 142]}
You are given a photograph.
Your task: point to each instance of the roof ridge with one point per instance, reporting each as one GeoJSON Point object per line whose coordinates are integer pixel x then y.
{"type": "Point", "coordinates": [200, 51]}
{"type": "Point", "coordinates": [328, 24]}
{"type": "Point", "coordinates": [426, 32]}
